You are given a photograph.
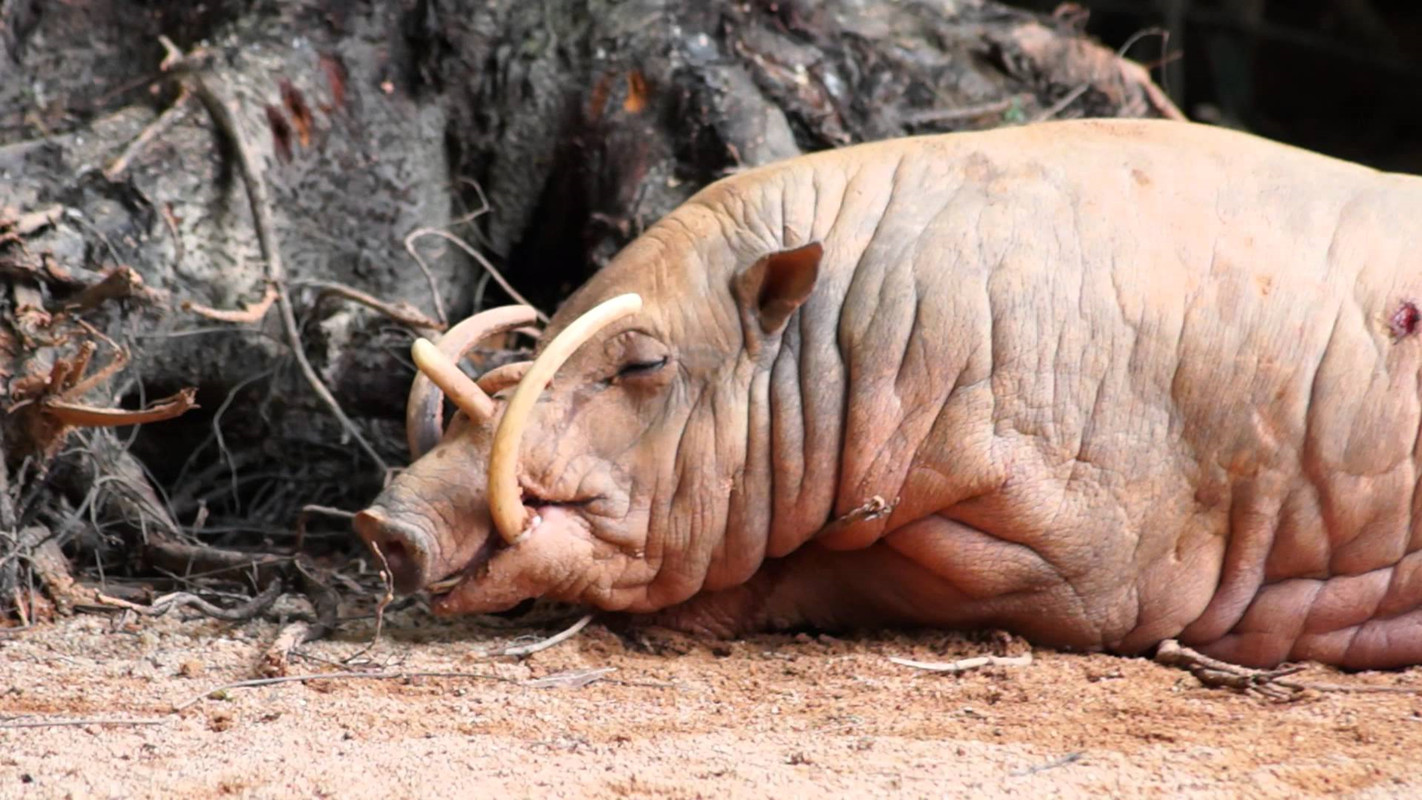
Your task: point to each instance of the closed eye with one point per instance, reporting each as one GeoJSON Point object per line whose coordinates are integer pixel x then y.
{"type": "Point", "coordinates": [635, 369]}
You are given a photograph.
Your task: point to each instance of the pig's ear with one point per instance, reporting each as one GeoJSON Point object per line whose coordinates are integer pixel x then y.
{"type": "Point", "coordinates": [772, 288]}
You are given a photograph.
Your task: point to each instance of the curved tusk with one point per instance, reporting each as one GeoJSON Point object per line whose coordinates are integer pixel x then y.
{"type": "Point", "coordinates": [505, 498]}
{"type": "Point", "coordinates": [424, 410]}
{"type": "Point", "coordinates": [457, 386]}
{"type": "Point", "coordinates": [500, 378]}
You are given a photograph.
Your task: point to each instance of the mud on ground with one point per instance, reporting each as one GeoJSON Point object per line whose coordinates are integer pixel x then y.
{"type": "Point", "coordinates": [612, 715]}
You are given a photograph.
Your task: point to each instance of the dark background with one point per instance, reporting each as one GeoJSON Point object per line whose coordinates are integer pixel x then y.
{"type": "Point", "coordinates": [1339, 76]}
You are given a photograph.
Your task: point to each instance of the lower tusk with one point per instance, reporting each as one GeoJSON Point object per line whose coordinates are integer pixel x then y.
{"type": "Point", "coordinates": [505, 498]}
{"type": "Point", "coordinates": [457, 386]}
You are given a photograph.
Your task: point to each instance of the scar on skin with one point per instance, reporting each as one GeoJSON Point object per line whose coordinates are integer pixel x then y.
{"type": "Point", "coordinates": [1404, 320]}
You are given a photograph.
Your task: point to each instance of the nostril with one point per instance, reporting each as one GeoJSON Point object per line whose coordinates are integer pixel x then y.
{"type": "Point", "coordinates": [397, 557]}
{"type": "Point", "coordinates": [404, 548]}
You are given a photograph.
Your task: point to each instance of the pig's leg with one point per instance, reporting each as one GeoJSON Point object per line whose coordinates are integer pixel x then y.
{"type": "Point", "coordinates": [931, 572]}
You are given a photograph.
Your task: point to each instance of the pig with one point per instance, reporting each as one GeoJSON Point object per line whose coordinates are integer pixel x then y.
{"type": "Point", "coordinates": [1101, 383]}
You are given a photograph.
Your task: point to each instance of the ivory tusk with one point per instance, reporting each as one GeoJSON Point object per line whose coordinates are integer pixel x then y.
{"type": "Point", "coordinates": [505, 497]}
{"type": "Point", "coordinates": [424, 410]}
{"type": "Point", "coordinates": [500, 378]}
{"type": "Point", "coordinates": [457, 386]}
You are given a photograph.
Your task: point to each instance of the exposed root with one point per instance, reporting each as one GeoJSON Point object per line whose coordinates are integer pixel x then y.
{"type": "Point", "coordinates": [239, 613]}
{"type": "Point", "coordinates": [403, 313]}
{"type": "Point", "coordinates": [52, 568]}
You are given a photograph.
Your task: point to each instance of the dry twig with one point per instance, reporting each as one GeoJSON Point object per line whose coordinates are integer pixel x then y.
{"type": "Point", "coordinates": [150, 131]}
{"type": "Point", "coordinates": [965, 664]}
{"type": "Point", "coordinates": [477, 256]}
{"type": "Point", "coordinates": [543, 644]}
{"type": "Point", "coordinates": [82, 416]}
{"type": "Point", "coordinates": [342, 676]}
{"type": "Point", "coordinates": [71, 723]}
{"type": "Point", "coordinates": [1271, 684]}
{"type": "Point", "coordinates": [964, 113]}
{"type": "Point", "coordinates": [1062, 104]}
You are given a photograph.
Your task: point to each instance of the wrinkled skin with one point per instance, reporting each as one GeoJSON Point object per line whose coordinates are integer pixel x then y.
{"type": "Point", "coordinates": [1114, 381]}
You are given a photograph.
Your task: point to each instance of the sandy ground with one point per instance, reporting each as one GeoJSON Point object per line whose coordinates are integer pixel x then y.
{"type": "Point", "coordinates": [606, 715]}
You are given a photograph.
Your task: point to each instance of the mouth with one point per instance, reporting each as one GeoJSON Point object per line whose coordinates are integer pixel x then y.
{"type": "Point", "coordinates": [539, 509]}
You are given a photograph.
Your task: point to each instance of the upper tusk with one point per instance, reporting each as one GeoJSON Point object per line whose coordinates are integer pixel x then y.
{"type": "Point", "coordinates": [457, 386]}
{"type": "Point", "coordinates": [500, 378]}
{"type": "Point", "coordinates": [505, 498]}
{"type": "Point", "coordinates": [424, 410]}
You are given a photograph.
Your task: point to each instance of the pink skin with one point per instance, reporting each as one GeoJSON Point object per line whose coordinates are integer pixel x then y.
{"type": "Point", "coordinates": [1102, 383]}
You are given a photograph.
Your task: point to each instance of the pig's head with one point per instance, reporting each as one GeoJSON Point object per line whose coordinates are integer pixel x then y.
{"type": "Point", "coordinates": [604, 471]}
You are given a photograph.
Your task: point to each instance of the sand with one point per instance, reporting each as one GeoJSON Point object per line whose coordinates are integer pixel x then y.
{"type": "Point", "coordinates": [652, 714]}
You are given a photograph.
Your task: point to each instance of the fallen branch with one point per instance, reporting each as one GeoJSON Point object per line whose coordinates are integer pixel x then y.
{"type": "Point", "coordinates": [1268, 683]}
{"type": "Point", "coordinates": [82, 416]}
{"type": "Point", "coordinates": [309, 510]}
{"type": "Point", "coordinates": [570, 679]}
{"type": "Point", "coordinates": [965, 664]}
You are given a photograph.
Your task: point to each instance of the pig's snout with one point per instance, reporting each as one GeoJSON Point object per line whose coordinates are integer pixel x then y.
{"type": "Point", "coordinates": [407, 549]}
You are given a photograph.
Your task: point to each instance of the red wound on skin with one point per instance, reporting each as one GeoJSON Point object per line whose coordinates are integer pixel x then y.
{"type": "Point", "coordinates": [1405, 320]}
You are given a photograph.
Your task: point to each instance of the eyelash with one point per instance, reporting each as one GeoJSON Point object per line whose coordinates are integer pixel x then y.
{"type": "Point", "coordinates": [641, 368]}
